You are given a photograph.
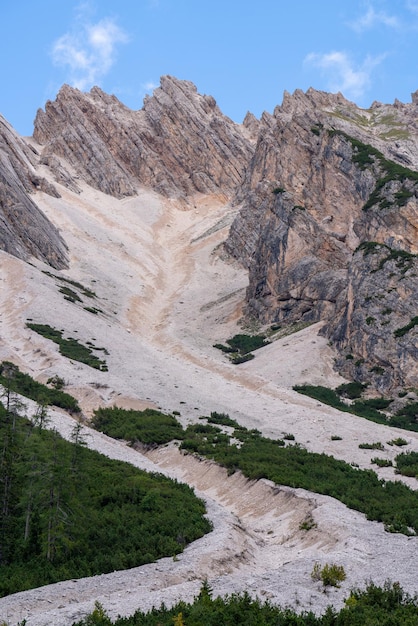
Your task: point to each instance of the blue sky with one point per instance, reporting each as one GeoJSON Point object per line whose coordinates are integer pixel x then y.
{"type": "Point", "coordinates": [245, 53]}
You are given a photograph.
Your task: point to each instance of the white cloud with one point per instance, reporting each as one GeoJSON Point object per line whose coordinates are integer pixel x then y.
{"type": "Point", "coordinates": [149, 86]}
{"type": "Point", "coordinates": [412, 5]}
{"type": "Point", "coordinates": [89, 52]}
{"type": "Point", "coordinates": [341, 74]}
{"type": "Point", "coordinates": [372, 18]}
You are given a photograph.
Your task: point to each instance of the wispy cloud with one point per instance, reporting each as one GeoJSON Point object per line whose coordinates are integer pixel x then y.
{"type": "Point", "coordinates": [89, 51]}
{"type": "Point", "coordinates": [372, 18]}
{"type": "Point", "coordinates": [341, 74]}
{"type": "Point", "coordinates": [149, 86]}
{"type": "Point", "coordinates": [412, 5]}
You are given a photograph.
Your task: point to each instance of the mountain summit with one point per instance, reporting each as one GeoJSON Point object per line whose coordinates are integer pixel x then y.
{"type": "Point", "coordinates": [325, 197]}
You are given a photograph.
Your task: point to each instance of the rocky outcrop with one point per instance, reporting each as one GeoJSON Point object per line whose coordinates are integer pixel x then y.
{"type": "Point", "coordinates": [375, 327]}
{"type": "Point", "coordinates": [324, 190]}
{"type": "Point", "coordinates": [24, 229]}
{"type": "Point", "coordinates": [179, 143]}
{"type": "Point", "coordinates": [322, 183]}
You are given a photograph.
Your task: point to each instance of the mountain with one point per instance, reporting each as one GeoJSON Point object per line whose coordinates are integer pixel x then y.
{"type": "Point", "coordinates": [328, 229]}
{"type": "Point", "coordinates": [149, 236]}
{"type": "Point", "coordinates": [25, 230]}
{"type": "Point", "coordinates": [327, 198]}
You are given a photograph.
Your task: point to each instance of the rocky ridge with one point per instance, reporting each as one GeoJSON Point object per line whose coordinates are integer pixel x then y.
{"type": "Point", "coordinates": [316, 185]}
{"type": "Point", "coordinates": [179, 143]}
{"type": "Point", "coordinates": [25, 231]}
{"type": "Point", "coordinates": [323, 182]}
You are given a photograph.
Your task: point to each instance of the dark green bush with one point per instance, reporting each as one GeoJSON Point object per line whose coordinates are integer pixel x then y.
{"type": "Point", "coordinates": [242, 358]}
{"type": "Point", "coordinates": [73, 512]}
{"type": "Point", "coordinates": [148, 426]}
{"type": "Point", "coordinates": [407, 464]}
{"type": "Point", "coordinates": [351, 390]}
{"type": "Point", "coordinates": [400, 332]}
{"type": "Point", "coordinates": [247, 343]}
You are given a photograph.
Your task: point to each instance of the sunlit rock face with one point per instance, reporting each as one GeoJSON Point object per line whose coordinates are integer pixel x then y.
{"type": "Point", "coordinates": [326, 196]}
{"type": "Point", "coordinates": [179, 143]}
{"type": "Point", "coordinates": [327, 182]}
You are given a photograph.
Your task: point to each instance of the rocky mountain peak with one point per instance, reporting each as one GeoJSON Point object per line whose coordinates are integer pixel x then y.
{"type": "Point", "coordinates": [326, 196]}
{"type": "Point", "coordinates": [329, 179]}
{"type": "Point", "coordinates": [179, 143]}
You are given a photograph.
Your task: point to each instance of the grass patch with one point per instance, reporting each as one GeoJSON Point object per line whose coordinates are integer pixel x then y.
{"type": "Point", "coordinates": [70, 348]}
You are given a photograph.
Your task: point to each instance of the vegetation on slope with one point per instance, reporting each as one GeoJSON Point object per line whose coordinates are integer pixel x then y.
{"type": "Point", "coordinates": [240, 347]}
{"type": "Point", "coordinates": [374, 606]}
{"type": "Point", "coordinates": [371, 409]}
{"type": "Point", "coordinates": [69, 512]}
{"type": "Point", "coordinates": [391, 503]}
{"type": "Point", "coordinates": [16, 381]}
{"type": "Point", "coordinates": [70, 348]}
{"type": "Point", "coordinates": [365, 155]}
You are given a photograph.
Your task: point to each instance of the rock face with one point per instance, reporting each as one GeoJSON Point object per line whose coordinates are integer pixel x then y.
{"type": "Point", "coordinates": [327, 183]}
{"type": "Point", "coordinates": [24, 229]}
{"type": "Point", "coordinates": [327, 196]}
{"type": "Point", "coordinates": [375, 322]}
{"type": "Point", "coordinates": [179, 143]}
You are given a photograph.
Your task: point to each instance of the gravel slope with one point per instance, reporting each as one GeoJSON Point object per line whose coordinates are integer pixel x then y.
{"type": "Point", "coordinates": [166, 294]}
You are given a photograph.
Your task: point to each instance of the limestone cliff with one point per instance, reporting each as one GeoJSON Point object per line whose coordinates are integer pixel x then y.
{"type": "Point", "coordinates": [326, 196]}
{"type": "Point", "coordinates": [24, 229]}
{"type": "Point", "coordinates": [179, 143]}
{"type": "Point", "coordinates": [326, 180]}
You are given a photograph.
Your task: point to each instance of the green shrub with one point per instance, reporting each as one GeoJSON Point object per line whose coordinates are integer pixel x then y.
{"type": "Point", "coordinates": [308, 523]}
{"type": "Point", "coordinates": [399, 441]}
{"type": "Point", "coordinates": [222, 419]}
{"type": "Point", "coordinates": [400, 332]}
{"type": "Point", "coordinates": [25, 385]}
{"type": "Point", "coordinates": [328, 396]}
{"type": "Point", "coordinates": [372, 446]}
{"type": "Point", "coordinates": [331, 575]}
{"type": "Point", "coordinates": [382, 462]}
{"type": "Point", "coordinates": [247, 343]}
{"type": "Point", "coordinates": [148, 426]}
{"type": "Point", "coordinates": [242, 359]}
{"type": "Point", "coordinates": [351, 390]}
{"type": "Point", "coordinates": [407, 464]}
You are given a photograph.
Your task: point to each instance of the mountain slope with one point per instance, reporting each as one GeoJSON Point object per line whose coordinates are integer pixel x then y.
{"type": "Point", "coordinates": [157, 288]}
